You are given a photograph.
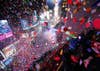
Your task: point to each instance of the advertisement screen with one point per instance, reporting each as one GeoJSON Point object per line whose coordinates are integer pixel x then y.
{"type": "Point", "coordinates": [25, 24]}
{"type": "Point", "coordinates": [5, 30]}
{"type": "Point", "coordinates": [9, 51]}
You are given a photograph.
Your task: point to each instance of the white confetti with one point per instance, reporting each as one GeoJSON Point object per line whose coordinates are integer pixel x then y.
{"type": "Point", "coordinates": [93, 11]}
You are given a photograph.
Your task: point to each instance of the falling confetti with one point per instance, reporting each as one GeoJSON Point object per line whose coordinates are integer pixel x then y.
{"type": "Point", "coordinates": [69, 2]}
{"type": "Point", "coordinates": [93, 11]}
{"type": "Point", "coordinates": [74, 19]}
{"type": "Point", "coordinates": [82, 20]}
{"type": "Point", "coordinates": [88, 10]}
{"type": "Point", "coordinates": [87, 25]}
{"type": "Point", "coordinates": [96, 23]}
{"type": "Point", "coordinates": [75, 11]}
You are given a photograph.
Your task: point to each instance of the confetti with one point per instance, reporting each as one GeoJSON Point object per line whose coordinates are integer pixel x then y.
{"type": "Point", "coordinates": [82, 20]}
{"type": "Point", "coordinates": [74, 20]}
{"type": "Point", "coordinates": [84, 3]}
{"type": "Point", "coordinates": [98, 4]}
{"type": "Point", "coordinates": [87, 25]}
{"type": "Point", "coordinates": [75, 11]}
{"type": "Point", "coordinates": [96, 23]}
{"type": "Point", "coordinates": [93, 11]}
{"type": "Point", "coordinates": [65, 20]}
{"type": "Point", "coordinates": [88, 10]}
{"type": "Point", "coordinates": [69, 2]}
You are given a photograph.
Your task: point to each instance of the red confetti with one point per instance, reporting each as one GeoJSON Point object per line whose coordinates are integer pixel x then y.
{"type": "Point", "coordinates": [77, 1]}
{"type": "Point", "coordinates": [74, 58]}
{"type": "Point", "coordinates": [59, 31]}
{"type": "Point", "coordinates": [79, 5]}
{"type": "Point", "coordinates": [82, 20]}
{"type": "Point", "coordinates": [65, 20]}
{"type": "Point", "coordinates": [30, 24]}
{"type": "Point", "coordinates": [65, 29]}
{"type": "Point", "coordinates": [74, 20]}
{"type": "Point", "coordinates": [87, 25]}
{"type": "Point", "coordinates": [96, 23]}
{"type": "Point", "coordinates": [56, 58]}
{"type": "Point", "coordinates": [69, 2]}
{"type": "Point", "coordinates": [35, 34]}
{"type": "Point", "coordinates": [45, 23]}
{"type": "Point", "coordinates": [72, 32]}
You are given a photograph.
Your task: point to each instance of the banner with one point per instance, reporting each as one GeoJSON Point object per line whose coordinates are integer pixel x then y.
{"type": "Point", "coordinates": [25, 24]}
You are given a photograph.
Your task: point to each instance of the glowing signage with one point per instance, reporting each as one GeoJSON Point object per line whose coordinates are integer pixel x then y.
{"type": "Point", "coordinates": [9, 51]}
{"type": "Point", "coordinates": [5, 30]}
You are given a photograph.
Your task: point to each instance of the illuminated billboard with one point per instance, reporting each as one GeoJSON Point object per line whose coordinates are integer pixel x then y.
{"type": "Point", "coordinates": [5, 30]}
{"type": "Point", "coordinates": [25, 25]}
{"type": "Point", "coordinates": [9, 51]}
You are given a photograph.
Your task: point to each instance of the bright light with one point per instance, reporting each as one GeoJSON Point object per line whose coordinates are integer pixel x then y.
{"type": "Point", "coordinates": [68, 33]}
{"type": "Point", "coordinates": [3, 21]}
{"type": "Point", "coordinates": [69, 27]}
{"type": "Point", "coordinates": [56, 9]}
{"type": "Point", "coordinates": [79, 37]}
{"type": "Point", "coordinates": [50, 35]}
{"type": "Point", "coordinates": [42, 16]}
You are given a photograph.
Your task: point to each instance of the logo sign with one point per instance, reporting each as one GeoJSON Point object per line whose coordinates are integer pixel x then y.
{"type": "Point", "coordinates": [5, 30]}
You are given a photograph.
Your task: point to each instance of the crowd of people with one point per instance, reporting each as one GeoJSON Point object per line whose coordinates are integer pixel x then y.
{"type": "Point", "coordinates": [83, 52]}
{"type": "Point", "coordinates": [79, 54]}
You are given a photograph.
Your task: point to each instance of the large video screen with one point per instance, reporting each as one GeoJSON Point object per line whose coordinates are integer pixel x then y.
{"type": "Point", "coordinates": [9, 51]}
{"type": "Point", "coordinates": [5, 30]}
{"type": "Point", "coordinates": [25, 24]}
